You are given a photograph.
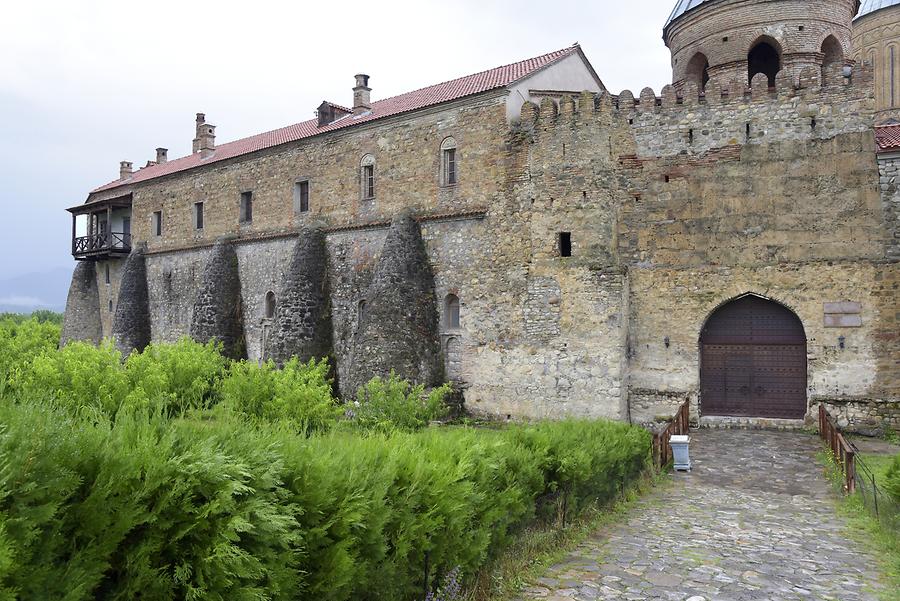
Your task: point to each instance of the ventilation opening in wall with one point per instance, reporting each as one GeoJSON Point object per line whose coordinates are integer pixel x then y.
{"type": "Point", "coordinates": [565, 244]}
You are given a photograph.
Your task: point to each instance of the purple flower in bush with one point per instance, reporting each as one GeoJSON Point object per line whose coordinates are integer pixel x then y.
{"type": "Point", "coordinates": [450, 589]}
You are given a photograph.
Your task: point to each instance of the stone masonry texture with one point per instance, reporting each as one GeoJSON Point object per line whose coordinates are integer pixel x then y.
{"type": "Point", "coordinates": [131, 325]}
{"type": "Point", "coordinates": [217, 311]}
{"type": "Point", "coordinates": [675, 201]}
{"type": "Point", "coordinates": [82, 319]}
{"type": "Point", "coordinates": [398, 321]}
{"type": "Point", "coordinates": [302, 323]}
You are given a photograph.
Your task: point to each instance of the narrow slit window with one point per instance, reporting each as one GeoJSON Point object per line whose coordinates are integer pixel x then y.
{"type": "Point", "coordinates": [448, 162]}
{"type": "Point", "coordinates": [107, 273]}
{"type": "Point", "coordinates": [246, 207]}
{"type": "Point", "coordinates": [157, 223]}
{"type": "Point", "coordinates": [450, 165]}
{"type": "Point", "coordinates": [270, 303]}
{"type": "Point", "coordinates": [367, 177]}
{"type": "Point", "coordinates": [565, 244]}
{"type": "Point", "coordinates": [451, 311]}
{"type": "Point", "coordinates": [198, 215]}
{"type": "Point", "coordinates": [303, 196]}
{"type": "Point", "coordinates": [369, 181]}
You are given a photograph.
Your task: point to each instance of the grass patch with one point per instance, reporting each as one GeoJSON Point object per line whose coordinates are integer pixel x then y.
{"type": "Point", "coordinates": [879, 465]}
{"type": "Point", "coordinates": [867, 530]}
{"type": "Point", "coordinates": [538, 547]}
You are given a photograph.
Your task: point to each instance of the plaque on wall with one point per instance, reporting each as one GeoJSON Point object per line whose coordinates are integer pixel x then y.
{"type": "Point", "coordinates": [844, 314]}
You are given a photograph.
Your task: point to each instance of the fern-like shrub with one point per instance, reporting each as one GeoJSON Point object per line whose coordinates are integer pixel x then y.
{"type": "Point", "coordinates": [299, 394]}
{"type": "Point", "coordinates": [78, 376]}
{"type": "Point", "coordinates": [178, 376]}
{"type": "Point", "coordinates": [21, 340]}
{"type": "Point", "coordinates": [394, 403]}
{"type": "Point", "coordinates": [150, 507]}
{"type": "Point", "coordinates": [892, 480]}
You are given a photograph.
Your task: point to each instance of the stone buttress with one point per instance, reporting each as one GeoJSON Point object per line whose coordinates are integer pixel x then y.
{"type": "Point", "coordinates": [398, 325]}
{"type": "Point", "coordinates": [302, 325]}
{"type": "Point", "coordinates": [82, 318]}
{"type": "Point", "coordinates": [217, 311]}
{"type": "Point", "coordinates": [131, 324]}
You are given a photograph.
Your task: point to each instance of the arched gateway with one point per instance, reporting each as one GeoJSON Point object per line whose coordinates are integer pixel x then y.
{"type": "Point", "coordinates": [753, 361]}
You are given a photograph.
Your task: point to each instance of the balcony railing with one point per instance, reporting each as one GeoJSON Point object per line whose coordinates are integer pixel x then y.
{"type": "Point", "coordinates": [102, 243]}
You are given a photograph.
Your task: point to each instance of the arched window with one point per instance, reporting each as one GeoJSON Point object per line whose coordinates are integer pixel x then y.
{"type": "Point", "coordinates": [764, 57]}
{"type": "Point", "coordinates": [451, 311]}
{"type": "Point", "coordinates": [448, 162]}
{"type": "Point", "coordinates": [360, 311]}
{"type": "Point", "coordinates": [367, 177]}
{"type": "Point", "coordinates": [832, 56]}
{"type": "Point", "coordinates": [270, 305]}
{"type": "Point", "coordinates": [697, 71]}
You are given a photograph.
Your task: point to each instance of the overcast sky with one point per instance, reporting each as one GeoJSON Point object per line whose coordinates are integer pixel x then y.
{"type": "Point", "coordinates": [85, 84]}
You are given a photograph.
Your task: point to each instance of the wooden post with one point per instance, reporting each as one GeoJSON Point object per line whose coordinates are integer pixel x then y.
{"type": "Point", "coordinates": [850, 470]}
{"type": "Point", "coordinates": [108, 241]}
{"type": "Point", "coordinates": [74, 217]}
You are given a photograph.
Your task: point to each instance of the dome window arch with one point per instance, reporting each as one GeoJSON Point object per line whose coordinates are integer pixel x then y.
{"type": "Point", "coordinates": [832, 57]}
{"type": "Point", "coordinates": [764, 57]}
{"type": "Point", "coordinates": [697, 71]}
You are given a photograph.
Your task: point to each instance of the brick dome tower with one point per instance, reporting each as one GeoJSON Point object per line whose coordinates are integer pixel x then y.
{"type": "Point", "coordinates": [721, 41]}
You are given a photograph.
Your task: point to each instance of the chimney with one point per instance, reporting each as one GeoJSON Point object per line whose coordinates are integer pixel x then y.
{"type": "Point", "coordinates": [362, 95]}
{"type": "Point", "coordinates": [125, 169]}
{"type": "Point", "coordinates": [162, 155]}
{"type": "Point", "coordinates": [205, 142]}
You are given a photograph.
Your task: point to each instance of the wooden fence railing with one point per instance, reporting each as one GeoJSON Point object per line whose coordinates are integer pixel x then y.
{"type": "Point", "coordinates": [843, 452]}
{"type": "Point", "coordinates": [680, 424]}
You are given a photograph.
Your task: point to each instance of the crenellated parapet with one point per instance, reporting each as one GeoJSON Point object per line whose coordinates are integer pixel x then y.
{"type": "Point", "coordinates": [818, 104]}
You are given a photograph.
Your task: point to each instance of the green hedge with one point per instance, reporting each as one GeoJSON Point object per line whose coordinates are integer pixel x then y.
{"type": "Point", "coordinates": [155, 508]}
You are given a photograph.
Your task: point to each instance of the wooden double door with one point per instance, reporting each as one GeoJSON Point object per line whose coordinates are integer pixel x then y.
{"type": "Point", "coordinates": [753, 361]}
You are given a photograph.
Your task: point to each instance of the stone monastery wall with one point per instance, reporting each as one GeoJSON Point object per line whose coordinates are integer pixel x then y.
{"type": "Point", "coordinates": [673, 204]}
{"type": "Point", "coordinates": [769, 192]}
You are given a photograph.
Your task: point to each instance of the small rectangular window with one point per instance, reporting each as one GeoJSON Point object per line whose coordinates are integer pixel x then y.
{"type": "Point", "coordinates": [565, 244]}
{"type": "Point", "coordinates": [246, 207]}
{"type": "Point", "coordinates": [450, 166]}
{"type": "Point", "coordinates": [369, 181]}
{"type": "Point", "coordinates": [301, 196]}
{"type": "Point", "coordinates": [198, 215]}
{"type": "Point", "coordinates": [157, 223]}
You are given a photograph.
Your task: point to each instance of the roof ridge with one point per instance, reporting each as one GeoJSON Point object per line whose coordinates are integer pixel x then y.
{"type": "Point", "coordinates": [562, 52]}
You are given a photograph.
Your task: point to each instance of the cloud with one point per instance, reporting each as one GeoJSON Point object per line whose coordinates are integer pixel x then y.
{"type": "Point", "coordinates": [87, 84]}
{"type": "Point", "coordinates": [21, 301]}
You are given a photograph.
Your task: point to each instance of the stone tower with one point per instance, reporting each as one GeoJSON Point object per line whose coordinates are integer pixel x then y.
{"type": "Point", "coordinates": [718, 42]}
{"type": "Point", "coordinates": [876, 41]}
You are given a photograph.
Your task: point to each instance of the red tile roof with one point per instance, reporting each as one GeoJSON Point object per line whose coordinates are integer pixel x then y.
{"type": "Point", "coordinates": [443, 92]}
{"type": "Point", "coordinates": [887, 137]}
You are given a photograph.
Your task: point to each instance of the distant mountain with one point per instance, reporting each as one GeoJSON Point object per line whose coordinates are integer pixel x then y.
{"type": "Point", "coordinates": [28, 292]}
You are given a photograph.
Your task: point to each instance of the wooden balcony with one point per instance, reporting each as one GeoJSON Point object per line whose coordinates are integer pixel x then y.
{"type": "Point", "coordinates": [101, 245]}
{"type": "Point", "coordinates": [106, 224]}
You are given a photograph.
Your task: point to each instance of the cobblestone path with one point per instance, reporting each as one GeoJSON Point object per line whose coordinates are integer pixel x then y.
{"type": "Point", "coordinates": [755, 521]}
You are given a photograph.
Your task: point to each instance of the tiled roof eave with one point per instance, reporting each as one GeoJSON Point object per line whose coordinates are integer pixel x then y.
{"type": "Point", "coordinates": [349, 129]}
{"type": "Point", "coordinates": [437, 96]}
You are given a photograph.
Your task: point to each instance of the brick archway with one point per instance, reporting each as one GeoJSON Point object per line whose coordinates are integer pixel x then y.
{"type": "Point", "coordinates": [753, 361]}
